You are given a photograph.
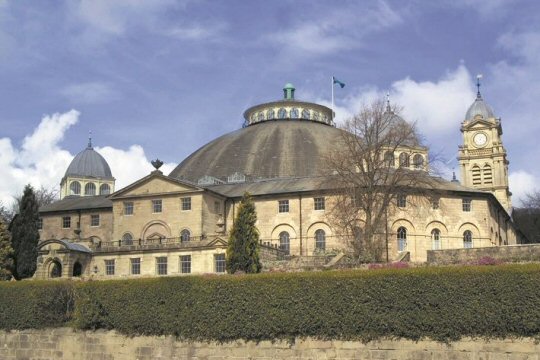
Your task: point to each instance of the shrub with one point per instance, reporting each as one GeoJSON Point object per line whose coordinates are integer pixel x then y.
{"type": "Point", "coordinates": [35, 304]}
{"type": "Point", "coordinates": [440, 303]}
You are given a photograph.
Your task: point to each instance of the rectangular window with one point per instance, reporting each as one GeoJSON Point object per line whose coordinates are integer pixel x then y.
{"type": "Point", "coordinates": [402, 201]}
{"type": "Point", "coordinates": [186, 204]}
{"type": "Point", "coordinates": [66, 222]}
{"type": "Point", "coordinates": [128, 208]}
{"type": "Point", "coordinates": [217, 207]}
{"type": "Point", "coordinates": [40, 224]}
{"type": "Point", "coordinates": [157, 206]}
{"type": "Point", "coordinates": [185, 264]}
{"type": "Point", "coordinates": [318, 202]}
{"type": "Point", "coordinates": [109, 267]}
{"type": "Point", "coordinates": [135, 266]}
{"type": "Point", "coordinates": [283, 206]}
{"type": "Point", "coordinates": [161, 265]}
{"type": "Point", "coordinates": [466, 204]}
{"type": "Point", "coordinates": [219, 260]}
{"type": "Point", "coordinates": [435, 203]}
{"type": "Point", "coordinates": [94, 220]}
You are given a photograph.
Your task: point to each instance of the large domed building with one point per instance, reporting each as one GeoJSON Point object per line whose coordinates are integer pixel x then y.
{"type": "Point", "coordinates": [178, 223]}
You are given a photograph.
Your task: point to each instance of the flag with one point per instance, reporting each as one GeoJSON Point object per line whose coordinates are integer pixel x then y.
{"type": "Point", "coordinates": [336, 81]}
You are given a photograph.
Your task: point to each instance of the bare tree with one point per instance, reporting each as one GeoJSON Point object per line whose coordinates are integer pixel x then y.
{"type": "Point", "coordinates": [532, 200]}
{"type": "Point", "coordinates": [370, 178]}
{"type": "Point", "coordinates": [44, 197]}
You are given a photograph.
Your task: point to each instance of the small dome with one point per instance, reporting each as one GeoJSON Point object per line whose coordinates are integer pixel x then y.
{"type": "Point", "coordinates": [89, 163]}
{"type": "Point", "coordinates": [289, 86]}
{"type": "Point", "coordinates": [479, 107]}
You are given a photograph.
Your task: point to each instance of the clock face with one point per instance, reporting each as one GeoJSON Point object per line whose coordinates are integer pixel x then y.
{"type": "Point", "coordinates": [480, 139]}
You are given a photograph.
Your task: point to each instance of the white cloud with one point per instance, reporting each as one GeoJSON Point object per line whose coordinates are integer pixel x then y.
{"type": "Point", "coordinates": [521, 183]}
{"type": "Point", "coordinates": [437, 106]}
{"type": "Point", "coordinates": [339, 29]}
{"type": "Point", "coordinates": [114, 16]}
{"type": "Point", "coordinates": [130, 165]}
{"type": "Point", "coordinates": [40, 160]}
{"type": "Point", "coordinates": [90, 92]}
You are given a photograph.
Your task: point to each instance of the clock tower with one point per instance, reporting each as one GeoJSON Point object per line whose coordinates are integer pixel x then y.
{"type": "Point", "coordinates": [482, 157]}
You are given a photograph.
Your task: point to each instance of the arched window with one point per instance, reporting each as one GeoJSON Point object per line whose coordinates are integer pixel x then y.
{"type": "Point", "coordinates": [402, 238]}
{"type": "Point", "coordinates": [294, 113]}
{"type": "Point", "coordinates": [476, 175]}
{"type": "Point", "coordinates": [467, 239]}
{"type": "Point", "coordinates": [389, 158]}
{"type": "Point", "coordinates": [282, 113]}
{"type": "Point", "coordinates": [418, 161]}
{"type": "Point", "coordinates": [90, 189]}
{"type": "Point", "coordinates": [436, 239]}
{"type": "Point", "coordinates": [305, 114]}
{"type": "Point", "coordinates": [404, 160]}
{"type": "Point", "coordinates": [104, 189]}
{"type": "Point", "coordinates": [77, 269]}
{"type": "Point", "coordinates": [75, 188]}
{"type": "Point", "coordinates": [270, 114]}
{"type": "Point", "coordinates": [320, 239]}
{"type": "Point", "coordinates": [260, 117]}
{"type": "Point", "coordinates": [127, 239]}
{"type": "Point", "coordinates": [315, 116]}
{"type": "Point", "coordinates": [185, 235]}
{"type": "Point", "coordinates": [284, 242]}
{"type": "Point", "coordinates": [487, 174]}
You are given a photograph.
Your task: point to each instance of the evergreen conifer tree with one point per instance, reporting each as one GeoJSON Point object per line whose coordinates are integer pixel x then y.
{"type": "Point", "coordinates": [243, 246]}
{"type": "Point", "coordinates": [25, 235]}
{"type": "Point", "coordinates": [6, 252]}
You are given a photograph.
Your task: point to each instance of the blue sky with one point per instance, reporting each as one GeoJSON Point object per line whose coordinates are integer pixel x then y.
{"type": "Point", "coordinates": [160, 78]}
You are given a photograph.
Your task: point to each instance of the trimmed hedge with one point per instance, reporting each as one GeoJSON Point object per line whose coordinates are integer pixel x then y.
{"type": "Point", "coordinates": [443, 304]}
{"type": "Point", "coordinates": [35, 304]}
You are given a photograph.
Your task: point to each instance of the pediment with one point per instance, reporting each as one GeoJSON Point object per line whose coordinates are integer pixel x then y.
{"type": "Point", "coordinates": [217, 242]}
{"type": "Point", "coordinates": [155, 183]}
{"type": "Point", "coordinates": [479, 124]}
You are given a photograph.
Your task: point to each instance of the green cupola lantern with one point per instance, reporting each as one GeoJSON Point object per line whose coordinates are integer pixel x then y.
{"type": "Point", "coordinates": [288, 91]}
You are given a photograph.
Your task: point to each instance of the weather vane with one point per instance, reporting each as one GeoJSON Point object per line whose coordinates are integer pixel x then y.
{"type": "Point", "coordinates": [478, 77]}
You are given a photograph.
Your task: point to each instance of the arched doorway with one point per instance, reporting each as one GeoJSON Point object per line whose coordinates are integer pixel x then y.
{"type": "Point", "coordinates": [55, 269]}
{"type": "Point", "coordinates": [77, 269]}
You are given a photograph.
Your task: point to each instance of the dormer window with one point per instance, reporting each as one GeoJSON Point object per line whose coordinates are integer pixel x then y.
{"type": "Point", "coordinates": [75, 188]}
{"type": "Point", "coordinates": [90, 189]}
{"type": "Point", "coordinates": [270, 114]}
{"type": "Point", "coordinates": [294, 113]}
{"type": "Point", "coordinates": [305, 114]}
{"type": "Point", "coordinates": [282, 113]}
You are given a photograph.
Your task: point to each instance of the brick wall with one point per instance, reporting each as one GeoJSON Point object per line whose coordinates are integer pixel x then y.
{"type": "Point", "coordinates": [66, 344]}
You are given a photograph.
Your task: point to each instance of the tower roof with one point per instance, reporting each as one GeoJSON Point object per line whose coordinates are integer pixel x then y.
{"type": "Point", "coordinates": [89, 163]}
{"type": "Point", "coordinates": [479, 106]}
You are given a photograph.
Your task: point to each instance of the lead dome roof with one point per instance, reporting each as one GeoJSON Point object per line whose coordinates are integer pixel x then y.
{"type": "Point", "coordinates": [271, 149]}
{"type": "Point", "coordinates": [89, 163]}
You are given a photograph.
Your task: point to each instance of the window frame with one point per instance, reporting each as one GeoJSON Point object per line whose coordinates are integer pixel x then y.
{"type": "Point", "coordinates": [320, 240]}
{"type": "Point", "coordinates": [77, 185]}
{"type": "Point", "coordinates": [219, 263]}
{"type": "Point", "coordinates": [157, 206]}
{"type": "Point", "coordinates": [435, 203]}
{"type": "Point", "coordinates": [129, 208]}
{"type": "Point", "coordinates": [319, 203]}
{"type": "Point", "coordinates": [466, 204]}
{"type": "Point", "coordinates": [104, 186]}
{"type": "Point", "coordinates": [110, 267]}
{"type": "Point", "coordinates": [66, 220]}
{"type": "Point", "coordinates": [40, 223]}
{"type": "Point", "coordinates": [436, 239]}
{"type": "Point", "coordinates": [285, 242]}
{"type": "Point", "coordinates": [283, 206]}
{"type": "Point", "coordinates": [183, 235]}
{"type": "Point", "coordinates": [90, 189]}
{"type": "Point", "coordinates": [401, 237]}
{"type": "Point", "coordinates": [126, 240]}
{"type": "Point", "coordinates": [401, 201]}
{"type": "Point", "coordinates": [161, 265]}
{"type": "Point", "coordinates": [135, 263]}
{"type": "Point", "coordinates": [185, 264]}
{"type": "Point", "coordinates": [468, 239]}
{"type": "Point", "coordinates": [185, 203]}
{"type": "Point", "coordinates": [93, 223]}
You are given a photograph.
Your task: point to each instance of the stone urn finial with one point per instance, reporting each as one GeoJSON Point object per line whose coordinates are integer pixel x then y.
{"type": "Point", "coordinates": [156, 163]}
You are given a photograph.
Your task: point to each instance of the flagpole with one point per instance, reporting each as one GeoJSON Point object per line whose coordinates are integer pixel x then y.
{"type": "Point", "coordinates": [332, 84]}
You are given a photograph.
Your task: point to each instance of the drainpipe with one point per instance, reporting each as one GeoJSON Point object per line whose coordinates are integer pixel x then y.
{"type": "Point", "coordinates": [300, 211]}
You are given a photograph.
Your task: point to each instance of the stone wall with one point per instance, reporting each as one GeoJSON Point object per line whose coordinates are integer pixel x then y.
{"type": "Point", "coordinates": [67, 344]}
{"type": "Point", "coordinates": [510, 253]}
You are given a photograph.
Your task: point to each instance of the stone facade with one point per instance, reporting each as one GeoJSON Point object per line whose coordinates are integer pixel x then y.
{"type": "Point", "coordinates": [161, 218]}
{"type": "Point", "coordinates": [68, 344]}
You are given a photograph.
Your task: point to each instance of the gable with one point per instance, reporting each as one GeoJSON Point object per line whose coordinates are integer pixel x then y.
{"type": "Point", "coordinates": [157, 186]}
